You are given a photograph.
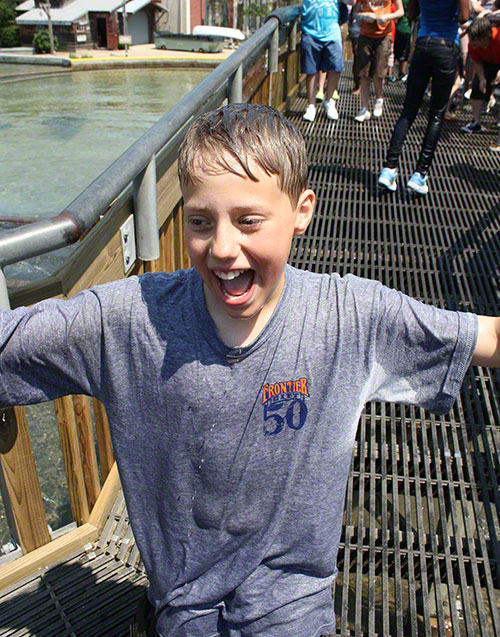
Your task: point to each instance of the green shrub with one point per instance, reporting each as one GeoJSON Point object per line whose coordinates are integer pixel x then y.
{"type": "Point", "coordinates": [41, 42]}
{"type": "Point", "coordinates": [10, 36]}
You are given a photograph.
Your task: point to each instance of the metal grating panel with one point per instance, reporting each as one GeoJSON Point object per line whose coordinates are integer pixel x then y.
{"type": "Point", "coordinates": [93, 592]}
{"type": "Point", "coordinates": [420, 551]}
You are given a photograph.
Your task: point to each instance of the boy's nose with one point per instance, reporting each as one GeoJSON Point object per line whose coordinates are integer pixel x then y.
{"type": "Point", "coordinates": [225, 242]}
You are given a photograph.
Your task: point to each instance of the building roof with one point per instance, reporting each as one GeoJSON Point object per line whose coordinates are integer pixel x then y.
{"type": "Point", "coordinates": [71, 12]}
{"type": "Point", "coordinates": [26, 5]}
{"type": "Point", "coordinates": [136, 5]}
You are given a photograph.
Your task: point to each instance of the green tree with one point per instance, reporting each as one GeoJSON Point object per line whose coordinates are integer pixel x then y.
{"type": "Point", "coordinates": [7, 12]}
{"type": "Point", "coordinates": [41, 42]}
{"type": "Point", "coordinates": [9, 31]}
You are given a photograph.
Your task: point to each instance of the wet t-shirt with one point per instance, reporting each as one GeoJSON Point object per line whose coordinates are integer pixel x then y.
{"type": "Point", "coordinates": [234, 461]}
{"type": "Point", "coordinates": [320, 19]}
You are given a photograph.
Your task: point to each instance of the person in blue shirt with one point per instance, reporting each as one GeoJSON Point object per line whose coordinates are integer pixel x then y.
{"type": "Point", "coordinates": [435, 57]}
{"type": "Point", "coordinates": [321, 50]}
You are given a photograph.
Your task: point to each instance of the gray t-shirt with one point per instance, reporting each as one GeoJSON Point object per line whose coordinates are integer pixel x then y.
{"type": "Point", "coordinates": [234, 461]}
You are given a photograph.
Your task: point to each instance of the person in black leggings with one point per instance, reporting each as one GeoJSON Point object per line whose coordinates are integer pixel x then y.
{"type": "Point", "coordinates": [435, 57]}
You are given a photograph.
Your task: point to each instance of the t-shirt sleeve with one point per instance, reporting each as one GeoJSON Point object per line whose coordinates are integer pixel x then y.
{"type": "Point", "coordinates": [50, 350]}
{"type": "Point", "coordinates": [420, 353]}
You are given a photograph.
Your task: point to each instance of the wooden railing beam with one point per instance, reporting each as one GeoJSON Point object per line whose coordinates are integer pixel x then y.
{"type": "Point", "coordinates": [104, 445]}
{"type": "Point", "coordinates": [21, 481]}
{"type": "Point", "coordinates": [70, 446]}
{"type": "Point", "coordinates": [83, 418]}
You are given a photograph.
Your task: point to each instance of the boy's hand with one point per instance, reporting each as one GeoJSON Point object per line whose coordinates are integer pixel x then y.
{"type": "Point", "coordinates": [487, 352]}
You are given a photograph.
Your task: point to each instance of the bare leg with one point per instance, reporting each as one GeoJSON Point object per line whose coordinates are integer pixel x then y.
{"type": "Point", "coordinates": [378, 85]}
{"type": "Point", "coordinates": [321, 81]}
{"type": "Point", "coordinates": [311, 88]}
{"type": "Point", "coordinates": [477, 109]}
{"type": "Point", "coordinates": [365, 91]}
{"type": "Point", "coordinates": [331, 84]}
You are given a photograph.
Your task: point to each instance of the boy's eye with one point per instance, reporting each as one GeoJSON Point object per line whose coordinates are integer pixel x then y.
{"type": "Point", "coordinates": [250, 222]}
{"type": "Point", "coordinates": [197, 222]}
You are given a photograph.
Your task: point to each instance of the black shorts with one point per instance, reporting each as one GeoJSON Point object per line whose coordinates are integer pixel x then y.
{"type": "Point", "coordinates": [490, 72]}
{"type": "Point", "coordinates": [402, 43]}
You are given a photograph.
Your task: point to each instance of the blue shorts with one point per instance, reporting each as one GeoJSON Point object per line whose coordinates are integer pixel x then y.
{"type": "Point", "coordinates": [320, 56]}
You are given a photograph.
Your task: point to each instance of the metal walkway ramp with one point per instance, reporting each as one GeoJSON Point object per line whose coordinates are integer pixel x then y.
{"type": "Point", "coordinates": [420, 551]}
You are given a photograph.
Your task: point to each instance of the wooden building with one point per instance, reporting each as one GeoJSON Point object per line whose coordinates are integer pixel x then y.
{"type": "Point", "coordinates": [90, 23]}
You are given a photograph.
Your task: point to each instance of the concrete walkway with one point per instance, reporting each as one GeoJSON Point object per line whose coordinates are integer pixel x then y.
{"type": "Point", "coordinates": [137, 53]}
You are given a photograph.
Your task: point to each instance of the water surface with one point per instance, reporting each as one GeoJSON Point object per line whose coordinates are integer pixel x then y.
{"type": "Point", "coordinates": [58, 133]}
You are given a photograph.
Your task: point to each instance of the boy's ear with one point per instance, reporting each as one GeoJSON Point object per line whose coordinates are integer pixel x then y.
{"type": "Point", "coordinates": [304, 211]}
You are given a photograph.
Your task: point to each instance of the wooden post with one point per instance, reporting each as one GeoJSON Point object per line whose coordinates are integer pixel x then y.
{"type": "Point", "coordinates": [178, 238]}
{"type": "Point", "coordinates": [169, 245]}
{"type": "Point", "coordinates": [83, 419]}
{"type": "Point", "coordinates": [186, 261]}
{"type": "Point", "coordinates": [68, 434]}
{"type": "Point", "coordinates": [21, 481]}
{"type": "Point", "coordinates": [103, 435]}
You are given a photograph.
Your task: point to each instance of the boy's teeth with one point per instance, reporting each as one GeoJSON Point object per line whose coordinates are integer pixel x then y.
{"type": "Point", "coordinates": [227, 276]}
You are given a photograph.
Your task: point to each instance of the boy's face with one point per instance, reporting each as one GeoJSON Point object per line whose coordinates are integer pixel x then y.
{"type": "Point", "coordinates": [238, 235]}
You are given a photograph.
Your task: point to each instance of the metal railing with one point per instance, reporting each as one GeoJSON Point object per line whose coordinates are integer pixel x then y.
{"type": "Point", "coordinates": [136, 182]}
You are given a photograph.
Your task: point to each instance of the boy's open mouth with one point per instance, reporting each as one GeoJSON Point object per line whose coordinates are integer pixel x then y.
{"type": "Point", "coordinates": [235, 282]}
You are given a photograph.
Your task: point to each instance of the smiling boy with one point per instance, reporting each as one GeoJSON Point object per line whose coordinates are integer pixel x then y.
{"type": "Point", "coordinates": [233, 390]}
{"type": "Point", "coordinates": [240, 245]}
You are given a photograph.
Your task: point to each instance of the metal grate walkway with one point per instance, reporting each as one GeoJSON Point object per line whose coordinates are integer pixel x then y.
{"type": "Point", "coordinates": [420, 551]}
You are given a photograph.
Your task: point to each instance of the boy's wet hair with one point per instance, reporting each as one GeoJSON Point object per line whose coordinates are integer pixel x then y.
{"type": "Point", "coordinates": [480, 29]}
{"type": "Point", "coordinates": [236, 137]}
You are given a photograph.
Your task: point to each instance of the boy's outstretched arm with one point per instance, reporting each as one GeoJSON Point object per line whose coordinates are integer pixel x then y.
{"type": "Point", "coordinates": [487, 352]}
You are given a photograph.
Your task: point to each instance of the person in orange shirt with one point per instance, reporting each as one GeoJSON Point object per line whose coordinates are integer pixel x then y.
{"type": "Point", "coordinates": [374, 49]}
{"type": "Point", "coordinates": [484, 50]}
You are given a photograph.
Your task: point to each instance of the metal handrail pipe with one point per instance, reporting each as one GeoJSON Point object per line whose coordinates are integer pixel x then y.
{"type": "Point", "coordinates": [33, 238]}
{"type": "Point", "coordinates": [66, 228]}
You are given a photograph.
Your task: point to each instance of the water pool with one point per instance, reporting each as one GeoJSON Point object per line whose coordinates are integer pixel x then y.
{"type": "Point", "coordinates": [58, 133]}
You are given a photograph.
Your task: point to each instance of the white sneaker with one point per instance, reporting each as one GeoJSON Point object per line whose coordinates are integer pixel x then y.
{"type": "Point", "coordinates": [310, 113]}
{"type": "Point", "coordinates": [377, 109]}
{"type": "Point", "coordinates": [330, 109]}
{"type": "Point", "coordinates": [363, 115]}
{"type": "Point", "coordinates": [388, 178]}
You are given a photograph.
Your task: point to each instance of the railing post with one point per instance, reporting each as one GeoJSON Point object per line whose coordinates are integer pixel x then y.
{"type": "Point", "coordinates": [146, 213]}
{"type": "Point", "coordinates": [68, 434]}
{"type": "Point", "coordinates": [236, 90]}
{"type": "Point", "coordinates": [4, 293]}
{"type": "Point", "coordinates": [4, 490]}
{"type": "Point", "coordinates": [19, 483]}
{"type": "Point", "coordinates": [292, 45]}
{"type": "Point", "coordinates": [274, 50]}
